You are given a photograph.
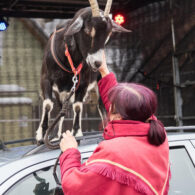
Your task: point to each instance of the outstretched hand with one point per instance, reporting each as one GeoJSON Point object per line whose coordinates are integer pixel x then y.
{"type": "Point", "coordinates": [103, 69]}
{"type": "Point", "coordinates": [68, 141]}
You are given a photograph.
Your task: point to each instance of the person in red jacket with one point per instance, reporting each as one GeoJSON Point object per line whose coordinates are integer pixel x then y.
{"type": "Point", "coordinates": [133, 158]}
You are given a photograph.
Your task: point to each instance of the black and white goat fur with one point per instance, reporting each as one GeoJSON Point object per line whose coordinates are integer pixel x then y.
{"type": "Point", "coordinates": [86, 35]}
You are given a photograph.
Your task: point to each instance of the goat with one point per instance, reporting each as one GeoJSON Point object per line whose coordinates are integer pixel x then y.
{"type": "Point", "coordinates": [85, 36]}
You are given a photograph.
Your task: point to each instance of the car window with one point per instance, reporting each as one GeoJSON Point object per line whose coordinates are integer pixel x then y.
{"type": "Point", "coordinates": [182, 172]}
{"type": "Point", "coordinates": [38, 183]}
{"type": "Point", "coordinates": [41, 182]}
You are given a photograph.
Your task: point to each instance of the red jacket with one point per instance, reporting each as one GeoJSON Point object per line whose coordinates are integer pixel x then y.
{"type": "Point", "coordinates": [123, 164]}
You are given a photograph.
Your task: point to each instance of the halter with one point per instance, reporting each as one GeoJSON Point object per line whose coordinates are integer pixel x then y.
{"type": "Point", "coordinates": [75, 71]}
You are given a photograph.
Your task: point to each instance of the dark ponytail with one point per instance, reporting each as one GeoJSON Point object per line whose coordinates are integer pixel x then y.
{"type": "Point", "coordinates": [156, 135]}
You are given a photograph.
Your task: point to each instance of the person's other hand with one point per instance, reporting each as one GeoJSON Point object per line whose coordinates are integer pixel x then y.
{"type": "Point", "coordinates": [68, 141]}
{"type": "Point", "coordinates": [103, 69]}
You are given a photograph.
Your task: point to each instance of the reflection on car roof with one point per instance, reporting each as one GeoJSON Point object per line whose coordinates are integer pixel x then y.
{"type": "Point", "coordinates": [19, 152]}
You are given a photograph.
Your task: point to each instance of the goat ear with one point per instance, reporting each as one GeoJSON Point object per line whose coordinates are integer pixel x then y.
{"type": "Point", "coordinates": [118, 28]}
{"type": "Point", "coordinates": [74, 27]}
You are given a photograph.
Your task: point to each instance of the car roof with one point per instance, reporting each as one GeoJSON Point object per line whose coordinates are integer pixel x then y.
{"type": "Point", "coordinates": [181, 136]}
{"type": "Point", "coordinates": [19, 152]}
{"type": "Point", "coordinates": [12, 154]}
{"type": "Point", "coordinates": [28, 155]}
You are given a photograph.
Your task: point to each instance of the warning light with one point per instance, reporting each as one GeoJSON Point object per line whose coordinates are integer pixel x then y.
{"type": "Point", "coordinates": [3, 24]}
{"type": "Point", "coordinates": [119, 19]}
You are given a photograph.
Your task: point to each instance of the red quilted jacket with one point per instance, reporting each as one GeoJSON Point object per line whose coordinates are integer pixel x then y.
{"type": "Point", "coordinates": [123, 164]}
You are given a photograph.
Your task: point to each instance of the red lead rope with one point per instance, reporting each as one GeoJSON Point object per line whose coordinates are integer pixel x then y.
{"type": "Point", "coordinates": [77, 70]}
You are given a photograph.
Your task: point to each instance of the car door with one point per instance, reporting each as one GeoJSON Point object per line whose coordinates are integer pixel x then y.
{"type": "Point", "coordinates": [182, 162]}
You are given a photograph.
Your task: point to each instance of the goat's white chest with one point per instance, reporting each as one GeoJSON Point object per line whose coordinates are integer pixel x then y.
{"type": "Point", "coordinates": [63, 94]}
{"type": "Point", "coordinates": [91, 86]}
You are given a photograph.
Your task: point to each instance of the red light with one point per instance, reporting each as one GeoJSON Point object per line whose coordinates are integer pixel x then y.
{"type": "Point", "coordinates": [119, 19]}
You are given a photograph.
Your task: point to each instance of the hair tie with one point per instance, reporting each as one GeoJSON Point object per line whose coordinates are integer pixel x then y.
{"type": "Point", "coordinates": [151, 118]}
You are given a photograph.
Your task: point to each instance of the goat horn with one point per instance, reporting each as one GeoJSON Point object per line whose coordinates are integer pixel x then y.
{"type": "Point", "coordinates": [108, 7]}
{"type": "Point", "coordinates": [94, 8]}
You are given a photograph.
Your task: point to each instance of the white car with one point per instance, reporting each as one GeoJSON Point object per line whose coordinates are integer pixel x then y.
{"type": "Point", "coordinates": [32, 173]}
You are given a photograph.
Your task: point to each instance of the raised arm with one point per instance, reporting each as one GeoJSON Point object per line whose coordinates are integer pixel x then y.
{"type": "Point", "coordinates": [106, 83]}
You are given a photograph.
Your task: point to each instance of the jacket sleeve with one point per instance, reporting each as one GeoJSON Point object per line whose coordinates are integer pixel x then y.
{"type": "Point", "coordinates": [74, 181]}
{"type": "Point", "coordinates": [104, 85]}
{"type": "Point", "coordinates": [71, 158]}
